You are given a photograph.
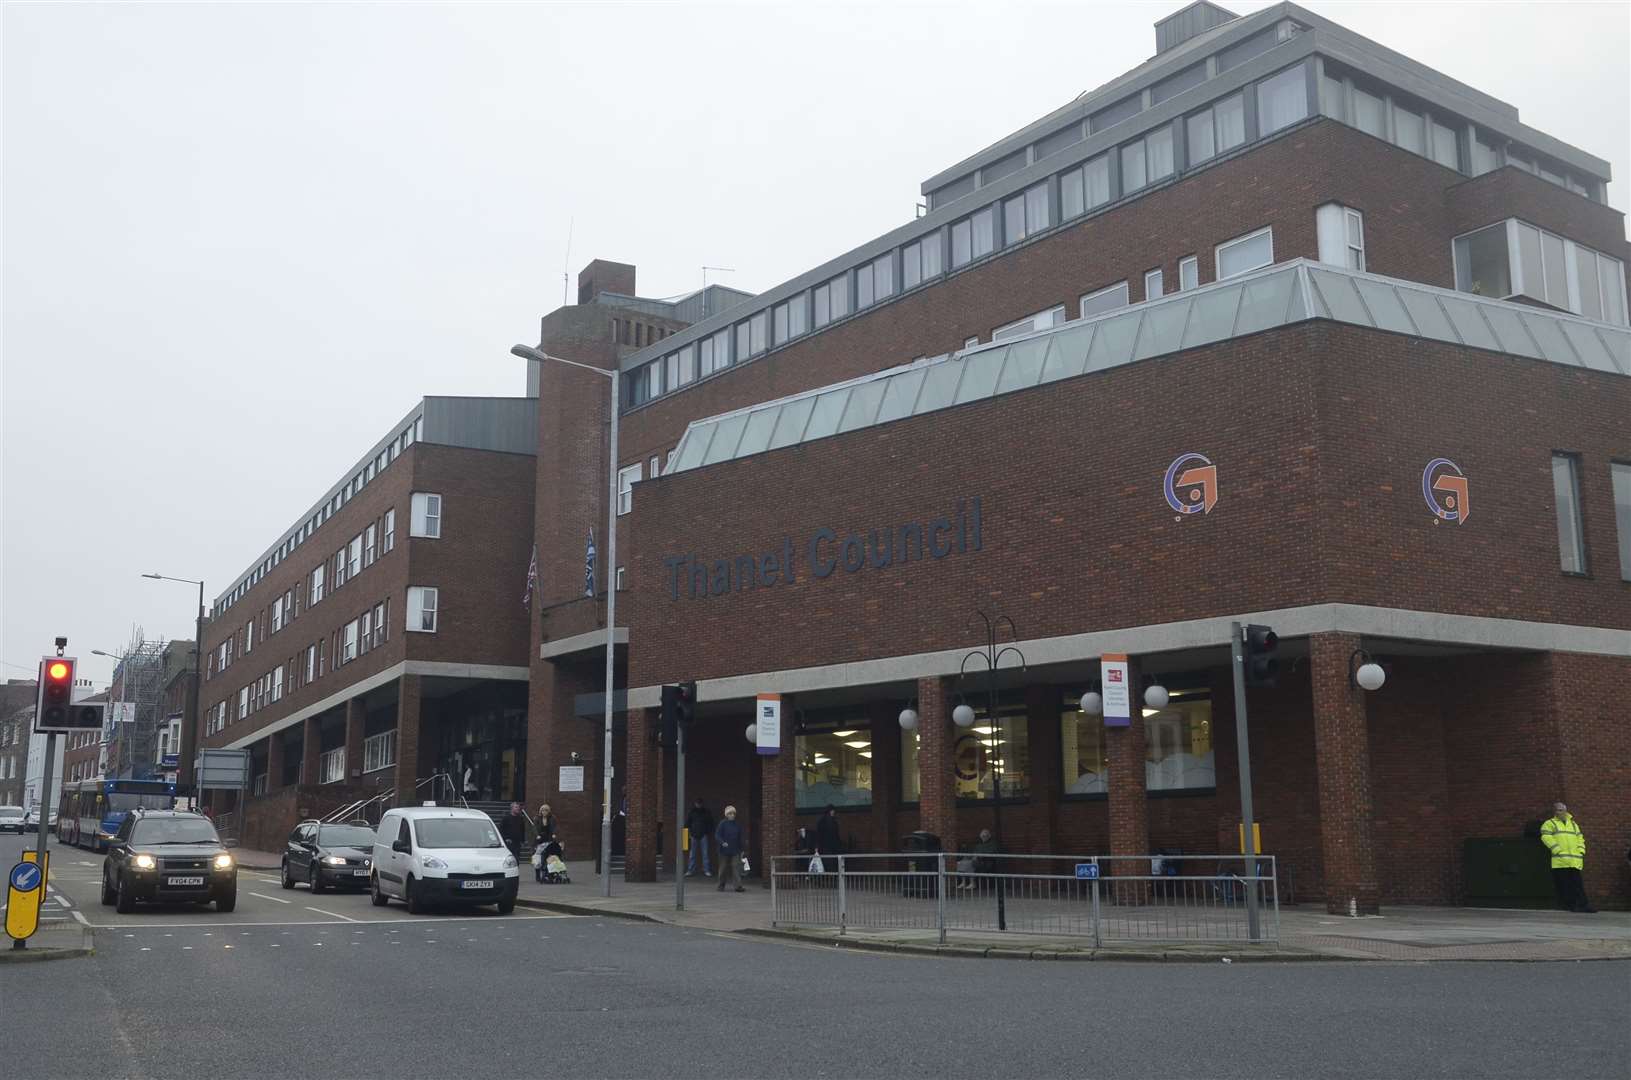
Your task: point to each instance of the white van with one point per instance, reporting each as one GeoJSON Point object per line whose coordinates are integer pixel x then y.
{"type": "Point", "coordinates": [429, 855]}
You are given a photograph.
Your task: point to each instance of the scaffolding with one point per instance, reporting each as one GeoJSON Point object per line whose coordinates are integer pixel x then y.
{"type": "Point", "coordinates": [130, 734]}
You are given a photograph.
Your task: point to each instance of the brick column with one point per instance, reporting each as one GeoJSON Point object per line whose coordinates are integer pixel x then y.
{"type": "Point", "coordinates": [356, 717]}
{"type": "Point", "coordinates": [1129, 808]}
{"type": "Point", "coordinates": [407, 740]}
{"type": "Point", "coordinates": [1342, 767]}
{"type": "Point", "coordinates": [1047, 770]}
{"type": "Point", "coordinates": [937, 805]}
{"type": "Point", "coordinates": [778, 788]}
{"type": "Point", "coordinates": [311, 748]}
{"type": "Point", "coordinates": [274, 762]}
{"type": "Point", "coordinates": [643, 786]}
{"type": "Point", "coordinates": [885, 773]}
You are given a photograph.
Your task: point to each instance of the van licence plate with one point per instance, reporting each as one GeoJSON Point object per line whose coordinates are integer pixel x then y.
{"type": "Point", "coordinates": [359, 873]}
{"type": "Point", "coordinates": [178, 881]}
{"type": "Point", "coordinates": [476, 884]}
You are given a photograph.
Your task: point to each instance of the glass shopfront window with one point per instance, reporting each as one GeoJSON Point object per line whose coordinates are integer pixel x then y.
{"type": "Point", "coordinates": [1081, 744]}
{"type": "Point", "coordinates": [1178, 743]}
{"type": "Point", "coordinates": [834, 766]}
{"type": "Point", "coordinates": [981, 751]}
{"type": "Point", "coordinates": [911, 781]}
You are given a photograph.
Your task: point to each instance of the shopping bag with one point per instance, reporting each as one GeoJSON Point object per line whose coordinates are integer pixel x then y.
{"type": "Point", "coordinates": [816, 866]}
{"type": "Point", "coordinates": [745, 866]}
{"type": "Point", "coordinates": [538, 857]}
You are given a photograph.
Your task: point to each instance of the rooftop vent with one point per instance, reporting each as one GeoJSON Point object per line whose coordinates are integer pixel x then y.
{"type": "Point", "coordinates": [1180, 26]}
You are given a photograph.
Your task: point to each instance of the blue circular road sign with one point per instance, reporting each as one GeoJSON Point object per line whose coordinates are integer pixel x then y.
{"type": "Point", "coordinates": [25, 877]}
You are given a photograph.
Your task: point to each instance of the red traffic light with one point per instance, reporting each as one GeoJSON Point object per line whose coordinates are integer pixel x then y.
{"type": "Point", "coordinates": [57, 671]}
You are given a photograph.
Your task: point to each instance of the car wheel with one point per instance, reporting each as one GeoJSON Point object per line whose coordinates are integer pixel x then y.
{"type": "Point", "coordinates": [379, 898]}
{"type": "Point", "coordinates": [506, 906]}
{"type": "Point", "coordinates": [415, 905]}
{"type": "Point", "coordinates": [227, 901]}
{"type": "Point", "coordinates": [107, 892]}
{"type": "Point", "coordinates": [288, 876]}
{"type": "Point", "coordinates": [314, 878]}
{"type": "Point", "coordinates": [123, 903]}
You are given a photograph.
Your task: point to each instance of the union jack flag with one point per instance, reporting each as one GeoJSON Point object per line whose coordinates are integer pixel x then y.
{"type": "Point", "coordinates": [532, 578]}
{"type": "Point", "coordinates": [589, 567]}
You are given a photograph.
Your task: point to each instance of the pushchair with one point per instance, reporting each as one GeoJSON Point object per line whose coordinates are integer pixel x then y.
{"type": "Point", "coordinates": [549, 865]}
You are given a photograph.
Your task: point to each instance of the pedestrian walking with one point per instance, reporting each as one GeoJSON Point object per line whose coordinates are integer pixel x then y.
{"type": "Point", "coordinates": [829, 837]}
{"type": "Point", "coordinates": [699, 822]}
{"type": "Point", "coordinates": [730, 839]}
{"type": "Point", "coordinates": [513, 828]}
{"type": "Point", "coordinates": [547, 826]}
{"type": "Point", "coordinates": [1562, 836]}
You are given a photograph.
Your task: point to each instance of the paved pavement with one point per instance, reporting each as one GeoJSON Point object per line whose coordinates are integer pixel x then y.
{"type": "Point", "coordinates": [1400, 933]}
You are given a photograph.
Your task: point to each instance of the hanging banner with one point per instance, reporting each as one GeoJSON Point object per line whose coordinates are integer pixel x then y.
{"type": "Point", "coordinates": [769, 721]}
{"type": "Point", "coordinates": [1118, 699]}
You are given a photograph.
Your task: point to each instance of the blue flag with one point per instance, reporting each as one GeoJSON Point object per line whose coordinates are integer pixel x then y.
{"type": "Point", "coordinates": [589, 566]}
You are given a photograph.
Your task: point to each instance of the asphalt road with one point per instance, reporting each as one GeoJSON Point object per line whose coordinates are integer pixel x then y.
{"type": "Point", "coordinates": [291, 984]}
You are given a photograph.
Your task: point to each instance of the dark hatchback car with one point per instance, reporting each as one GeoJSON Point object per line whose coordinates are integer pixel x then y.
{"type": "Point", "coordinates": [324, 855]}
{"type": "Point", "coordinates": [168, 857]}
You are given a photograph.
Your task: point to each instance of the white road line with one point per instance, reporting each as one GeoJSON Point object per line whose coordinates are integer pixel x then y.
{"type": "Point", "coordinates": [275, 899]}
{"type": "Point", "coordinates": [80, 917]}
{"type": "Point", "coordinates": [335, 914]}
{"type": "Point", "coordinates": [325, 922]}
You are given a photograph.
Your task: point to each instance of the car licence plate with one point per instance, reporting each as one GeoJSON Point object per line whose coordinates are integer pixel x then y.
{"type": "Point", "coordinates": [359, 873]}
{"type": "Point", "coordinates": [175, 881]}
{"type": "Point", "coordinates": [476, 884]}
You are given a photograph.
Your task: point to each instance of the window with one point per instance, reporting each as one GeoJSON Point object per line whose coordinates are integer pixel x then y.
{"type": "Point", "coordinates": [1370, 113]}
{"type": "Point", "coordinates": [1513, 257]}
{"type": "Point", "coordinates": [354, 557]}
{"type": "Point", "coordinates": [831, 300]}
{"type": "Point", "coordinates": [1409, 131]}
{"type": "Point", "coordinates": [778, 324]}
{"type": "Point", "coordinates": [340, 564]}
{"type": "Point", "coordinates": [1245, 253]}
{"type": "Point", "coordinates": [1109, 299]}
{"type": "Point", "coordinates": [1341, 234]}
{"type": "Point", "coordinates": [369, 545]}
{"type": "Point", "coordinates": [1571, 541]}
{"type": "Point", "coordinates": [627, 477]}
{"type": "Point", "coordinates": [1040, 321]}
{"type": "Point", "coordinates": [1025, 214]}
{"type": "Point", "coordinates": [277, 683]}
{"type": "Point", "coordinates": [1178, 751]}
{"type": "Point", "coordinates": [1282, 100]}
{"type": "Point", "coordinates": [1189, 273]}
{"type": "Point", "coordinates": [798, 316]}
{"type": "Point", "coordinates": [348, 647]}
{"type": "Point", "coordinates": [1147, 160]}
{"type": "Point", "coordinates": [311, 663]}
{"type": "Point", "coordinates": [620, 586]}
{"type": "Point", "coordinates": [981, 751]}
{"type": "Point", "coordinates": [962, 242]}
{"type": "Point", "coordinates": [243, 703]}
{"type": "Point", "coordinates": [387, 539]}
{"type": "Point", "coordinates": [1086, 188]}
{"type": "Point", "coordinates": [315, 593]}
{"type": "Point", "coordinates": [277, 613]}
{"type": "Point", "coordinates": [1153, 283]}
{"type": "Point", "coordinates": [921, 261]}
{"type": "Point", "coordinates": [1217, 129]}
{"type": "Point", "coordinates": [875, 281]}
{"type": "Point", "coordinates": [379, 751]}
{"type": "Point", "coordinates": [834, 765]}
{"type": "Point", "coordinates": [984, 232]}
{"type": "Point", "coordinates": [365, 632]}
{"type": "Point", "coordinates": [379, 625]}
{"type": "Point", "coordinates": [756, 333]}
{"type": "Point", "coordinates": [249, 637]}
{"type": "Point", "coordinates": [1445, 149]}
{"type": "Point", "coordinates": [1082, 755]}
{"type": "Point", "coordinates": [422, 603]}
{"type": "Point", "coordinates": [1620, 473]}
{"type": "Point", "coordinates": [426, 519]}
{"type": "Point", "coordinates": [332, 766]}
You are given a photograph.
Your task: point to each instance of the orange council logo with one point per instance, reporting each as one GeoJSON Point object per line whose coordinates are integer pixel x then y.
{"type": "Point", "coordinates": [1191, 484]}
{"type": "Point", "coordinates": [1444, 486]}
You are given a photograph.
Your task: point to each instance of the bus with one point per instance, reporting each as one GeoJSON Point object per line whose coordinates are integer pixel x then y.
{"type": "Point", "coordinates": [92, 810]}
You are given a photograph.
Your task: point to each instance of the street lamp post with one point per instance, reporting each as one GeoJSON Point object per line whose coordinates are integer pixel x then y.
{"type": "Point", "coordinates": [992, 656]}
{"type": "Point", "coordinates": [189, 737]}
{"type": "Point", "coordinates": [527, 352]}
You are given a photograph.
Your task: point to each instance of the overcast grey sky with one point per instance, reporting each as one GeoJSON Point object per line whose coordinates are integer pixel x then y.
{"type": "Point", "coordinates": [241, 240]}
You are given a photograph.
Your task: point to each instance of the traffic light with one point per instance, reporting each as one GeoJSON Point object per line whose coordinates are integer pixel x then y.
{"type": "Point", "coordinates": [56, 693]}
{"type": "Point", "coordinates": [686, 703]}
{"type": "Point", "coordinates": [1262, 663]}
{"type": "Point", "coordinates": [678, 710]}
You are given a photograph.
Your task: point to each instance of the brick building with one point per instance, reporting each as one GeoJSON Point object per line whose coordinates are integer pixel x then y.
{"type": "Point", "coordinates": [1279, 326]}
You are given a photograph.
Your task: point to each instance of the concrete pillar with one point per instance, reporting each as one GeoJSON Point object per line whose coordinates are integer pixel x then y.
{"type": "Point", "coordinates": [1129, 806]}
{"type": "Point", "coordinates": [356, 718]}
{"type": "Point", "coordinates": [274, 762]}
{"type": "Point", "coordinates": [407, 739]}
{"type": "Point", "coordinates": [643, 785]}
{"type": "Point", "coordinates": [937, 803]}
{"type": "Point", "coordinates": [778, 795]}
{"type": "Point", "coordinates": [1342, 767]}
{"type": "Point", "coordinates": [311, 748]}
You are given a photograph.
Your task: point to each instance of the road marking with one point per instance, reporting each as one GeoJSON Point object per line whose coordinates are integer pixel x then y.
{"type": "Point", "coordinates": [276, 899]}
{"type": "Point", "coordinates": [326, 922]}
{"type": "Point", "coordinates": [336, 914]}
{"type": "Point", "coordinates": [80, 917]}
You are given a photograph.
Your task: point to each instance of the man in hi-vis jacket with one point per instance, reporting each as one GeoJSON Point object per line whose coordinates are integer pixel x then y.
{"type": "Point", "coordinates": [1562, 836]}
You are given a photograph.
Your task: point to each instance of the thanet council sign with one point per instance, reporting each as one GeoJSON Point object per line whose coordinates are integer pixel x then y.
{"type": "Point", "coordinates": [826, 552]}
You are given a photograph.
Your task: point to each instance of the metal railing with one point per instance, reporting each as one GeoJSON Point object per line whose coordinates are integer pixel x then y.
{"type": "Point", "coordinates": [1108, 898]}
{"type": "Point", "coordinates": [359, 809]}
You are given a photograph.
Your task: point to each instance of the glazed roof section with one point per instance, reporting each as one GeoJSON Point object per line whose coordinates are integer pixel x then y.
{"type": "Point", "coordinates": [1276, 296]}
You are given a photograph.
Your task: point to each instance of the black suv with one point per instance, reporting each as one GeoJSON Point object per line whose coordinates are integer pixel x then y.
{"type": "Point", "coordinates": [322, 855]}
{"type": "Point", "coordinates": [168, 856]}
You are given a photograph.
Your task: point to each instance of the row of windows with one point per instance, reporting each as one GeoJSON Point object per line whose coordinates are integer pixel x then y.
{"type": "Point", "coordinates": [1571, 530]}
{"type": "Point", "coordinates": [1514, 258]}
{"type": "Point", "coordinates": [362, 634]}
{"type": "Point", "coordinates": [409, 435]}
{"type": "Point", "coordinates": [636, 333]}
{"type": "Point", "coordinates": [1275, 103]}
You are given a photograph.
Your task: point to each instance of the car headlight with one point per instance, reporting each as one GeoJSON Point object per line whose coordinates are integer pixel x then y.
{"type": "Point", "coordinates": [334, 860]}
{"type": "Point", "coordinates": [145, 862]}
{"type": "Point", "coordinates": [223, 861]}
{"type": "Point", "coordinates": [509, 861]}
{"type": "Point", "coordinates": [431, 862]}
